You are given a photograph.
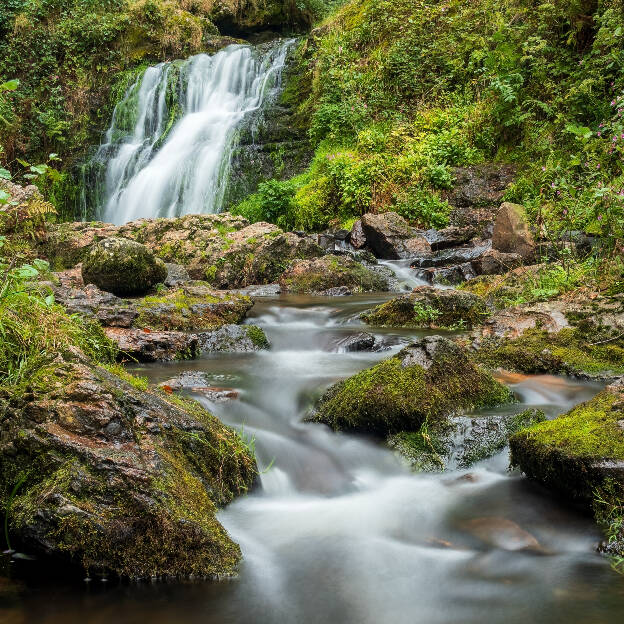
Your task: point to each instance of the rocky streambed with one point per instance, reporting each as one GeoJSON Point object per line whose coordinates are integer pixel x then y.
{"type": "Point", "coordinates": [401, 504]}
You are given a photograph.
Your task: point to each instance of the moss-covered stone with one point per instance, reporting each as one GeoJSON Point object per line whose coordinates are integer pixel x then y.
{"type": "Point", "coordinates": [322, 274]}
{"type": "Point", "coordinates": [429, 307]}
{"type": "Point", "coordinates": [118, 479]}
{"type": "Point", "coordinates": [572, 351]}
{"type": "Point", "coordinates": [122, 267]}
{"type": "Point", "coordinates": [426, 382]}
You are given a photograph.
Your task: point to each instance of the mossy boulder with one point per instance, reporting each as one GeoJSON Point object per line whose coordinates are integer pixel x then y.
{"type": "Point", "coordinates": [116, 478]}
{"type": "Point", "coordinates": [464, 441]}
{"type": "Point", "coordinates": [574, 453]}
{"type": "Point", "coordinates": [322, 274]}
{"type": "Point", "coordinates": [122, 267]}
{"type": "Point", "coordinates": [572, 351]}
{"type": "Point", "coordinates": [427, 306]}
{"type": "Point", "coordinates": [425, 383]}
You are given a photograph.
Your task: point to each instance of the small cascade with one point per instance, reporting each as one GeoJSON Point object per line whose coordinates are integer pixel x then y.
{"type": "Point", "coordinates": [168, 149]}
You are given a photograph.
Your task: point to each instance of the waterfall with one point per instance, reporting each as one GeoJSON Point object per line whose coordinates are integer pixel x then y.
{"type": "Point", "coordinates": [168, 149]}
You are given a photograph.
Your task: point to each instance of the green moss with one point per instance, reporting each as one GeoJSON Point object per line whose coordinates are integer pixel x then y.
{"type": "Point", "coordinates": [257, 336]}
{"type": "Point", "coordinates": [391, 397]}
{"type": "Point", "coordinates": [571, 351]}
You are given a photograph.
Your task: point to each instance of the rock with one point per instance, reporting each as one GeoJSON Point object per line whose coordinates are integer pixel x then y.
{"type": "Point", "coordinates": [448, 276]}
{"type": "Point", "coordinates": [464, 441]}
{"type": "Point", "coordinates": [176, 275]}
{"type": "Point", "coordinates": [502, 533]}
{"type": "Point", "coordinates": [147, 346]}
{"type": "Point", "coordinates": [233, 338]}
{"type": "Point", "coordinates": [511, 232]}
{"type": "Point", "coordinates": [331, 271]}
{"type": "Point", "coordinates": [401, 395]}
{"type": "Point", "coordinates": [192, 307]}
{"type": "Point", "coordinates": [494, 262]}
{"type": "Point", "coordinates": [337, 291]}
{"type": "Point", "coordinates": [390, 237]}
{"type": "Point", "coordinates": [449, 257]}
{"type": "Point", "coordinates": [261, 290]}
{"type": "Point", "coordinates": [222, 249]}
{"type": "Point", "coordinates": [513, 322]}
{"type": "Point", "coordinates": [429, 307]}
{"type": "Point", "coordinates": [122, 267]}
{"type": "Point", "coordinates": [356, 342]}
{"type": "Point", "coordinates": [119, 480]}
{"type": "Point", "coordinates": [578, 453]}
{"type": "Point", "coordinates": [198, 383]}
{"type": "Point", "coordinates": [358, 236]}
{"type": "Point", "coordinates": [477, 190]}
{"type": "Point", "coordinates": [452, 236]}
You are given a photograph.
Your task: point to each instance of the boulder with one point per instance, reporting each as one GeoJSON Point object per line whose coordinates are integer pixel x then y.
{"type": "Point", "coordinates": [452, 236]}
{"type": "Point", "coordinates": [118, 480]}
{"type": "Point", "coordinates": [331, 271]}
{"type": "Point", "coordinates": [494, 262]}
{"type": "Point", "coordinates": [426, 306]}
{"type": "Point", "coordinates": [233, 338]}
{"type": "Point", "coordinates": [426, 382]}
{"type": "Point", "coordinates": [450, 257]}
{"type": "Point", "coordinates": [176, 275]}
{"type": "Point", "coordinates": [356, 342]}
{"type": "Point", "coordinates": [122, 267]}
{"type": "Point", "coordinates": [511, 232]}
{"type": "Point", "coordinates": [448, 276]}
{"type": "Point", "coordinates": [358, 237]}
{"type": "Point", "coordinates": [390, 237]}
{"type": "Point", "coordinates": [159, 346]}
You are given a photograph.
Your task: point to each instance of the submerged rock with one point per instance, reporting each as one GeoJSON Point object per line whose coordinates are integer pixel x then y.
{"type": "Point", "coordinates": [198, 383]}
{"type": "Point", "coordinates": [426, 382]}
{"type": "Point", "coordinates": [356, 342]}
{"type": "Point", "coordinates": [329, 272]}
{"type": "Point", "coordinates": [426, 306]}
{"type": "Point", "coordinates": [122, 267]}
{"type": "Point", "coordinates": [119, 480]}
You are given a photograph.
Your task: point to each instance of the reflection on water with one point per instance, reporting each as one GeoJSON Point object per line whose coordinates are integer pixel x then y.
{"type": "Point", "coordinates": [341, 532]}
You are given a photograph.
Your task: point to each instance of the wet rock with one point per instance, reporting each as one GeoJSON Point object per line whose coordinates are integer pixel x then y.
{"type": "Point", "coordinates": [579, 454]}
{"type": "Point", "coordinates": [148, 346]}
{"type": "Point", "coordinates": [503, 533]}
{"type": "Point", "coordinates": [511, 232]}
{"type": "Point", "coordinates": [452, 236]}
{"type": "Point", "coordinates": [449, 276]}
{"type": "Point", "coordinates": [357, 237]}
{"type": "Point", "coordinates": [476, 191]}
{"type": "Point", "coordinates": [176, 275]}
{"type": "Point", "coordinates": [450, 257]}
{"type": "Point", "coordinates": [465, 440]}
{"type": "Point", "coordinates": [122, 267]}
{"type": "Point", "coordinates": [494, 262]}
{"type": "Point", "coordinates": [119, 480]}
{"type": "Point", "coordinates": [426, 306]}
{"type": "Point", "coordinates": [233, 338]}
{"type": "Point", "coordinates": [356, 342]}
{"type": "Point", "coordinates": [331, 271]}
{"type": "Point", "coordinates": [338, 291]}
{"type": "Point", "coordinates": [513, 322]}
{"type": "Point", "coordinates": [399, 394]}
{"type": "Point", "coordinates": [390, 237]}
{"type": "Point", "coordinates": [198, 383]}
{"type": "Point", "coordinates": [261, 290]}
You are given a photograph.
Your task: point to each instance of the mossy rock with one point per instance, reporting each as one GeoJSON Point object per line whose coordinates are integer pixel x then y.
{"type": "Point", "coordinates": [428, 307]}
{"type": "Point", "coordinates": [573, 351]}
{"type": "Point", "coordinates": [427, 382]}
{"type": "Point", "coordinates": [322, 274]}
{"type": "Point", "coordinates": [122, 267]}
{"type": "Point", "coordinates": [577, 452]}
{"type": "Point", "coordinates": [117, 479]}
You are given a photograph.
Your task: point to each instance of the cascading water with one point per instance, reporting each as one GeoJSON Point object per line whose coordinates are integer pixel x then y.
{"type": "Point", "coordinates": [169, 146]}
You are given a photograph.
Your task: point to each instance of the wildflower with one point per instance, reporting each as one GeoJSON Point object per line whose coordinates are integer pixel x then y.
{"type": "Point", "coordinates": [543, 168]}
{"type": "Point", "coordinates": [552, 185]}
{"type": "Point", "coordinates": [600, 134]}
{"type": "Point", "coordinates": [587, 164]}
{"type": "Point", "coordinates": [558, 193]}
{"type": "Point", "coordinates": [565, 212]}
{"type": "Point", "coordinates": [599, 217]}
{"type": "Point", "coordinates": [598, 166]}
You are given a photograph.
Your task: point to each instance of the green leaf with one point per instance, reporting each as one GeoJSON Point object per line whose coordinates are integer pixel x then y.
{"type": "Point", "coordinates": [26, 271]}
{"type": "Point", "coordinates": [10, 85]}
{"type": "Point", "coordinates": [23, 162]}
{"type": "Point", "coordinates": [5, 174]}
{"type": "Point", "coordinates": [580, 131]}
{"type": "Point", "coordinates": [39, 169]}
{"type": "Point", "coordinates": [49, 300]}
{"type": "Point", "coordinates": [4, 197]}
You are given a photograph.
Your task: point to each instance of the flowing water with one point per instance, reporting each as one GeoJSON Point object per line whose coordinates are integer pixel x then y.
{"type": "Point", "coordinates": [341, 532]}
{"type": "Point", "coordinates": [168, 149]}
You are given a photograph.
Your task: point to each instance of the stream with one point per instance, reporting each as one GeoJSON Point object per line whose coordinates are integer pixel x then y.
{"type": "Point", "coordinates": [340, 530]}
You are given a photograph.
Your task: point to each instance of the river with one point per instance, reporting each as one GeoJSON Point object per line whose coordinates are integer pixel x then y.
{"type": "Point", "coordinates": [340, 530]}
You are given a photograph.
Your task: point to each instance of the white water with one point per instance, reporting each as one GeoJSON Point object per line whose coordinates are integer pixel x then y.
{"type": "Point", "coordinates": [188, 172]}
